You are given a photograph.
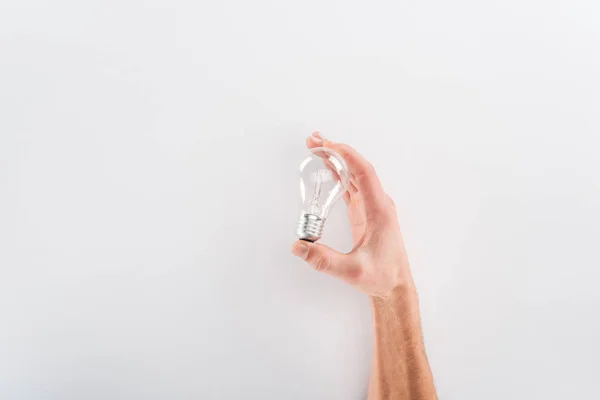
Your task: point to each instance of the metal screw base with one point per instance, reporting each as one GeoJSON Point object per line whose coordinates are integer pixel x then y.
{"type": "Point", "coordinates": [310, 227]}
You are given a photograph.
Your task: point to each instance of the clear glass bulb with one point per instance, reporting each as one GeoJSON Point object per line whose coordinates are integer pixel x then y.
{"type": "Point", "coordinates": [323, 181]}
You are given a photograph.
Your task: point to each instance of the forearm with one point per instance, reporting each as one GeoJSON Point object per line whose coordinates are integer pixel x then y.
{"type": "Point", "coordinates": [400, 367]}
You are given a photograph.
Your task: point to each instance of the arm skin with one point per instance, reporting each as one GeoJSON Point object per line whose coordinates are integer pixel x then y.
{"type": "Point", "coordinates": [400, 368]}
{"type": "Point", "coordinates": [378, 266]}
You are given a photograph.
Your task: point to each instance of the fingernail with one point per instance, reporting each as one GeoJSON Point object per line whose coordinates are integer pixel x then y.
{"type": "Point", "coordinates": [300, 250]}
{"type": "Point", "coordinates": [318, 134]}
{"type": "Point", "coordinates": [316, 140]}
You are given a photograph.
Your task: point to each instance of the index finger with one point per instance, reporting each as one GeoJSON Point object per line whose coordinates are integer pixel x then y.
{"type": "Point", "coordinates": [362, 175]}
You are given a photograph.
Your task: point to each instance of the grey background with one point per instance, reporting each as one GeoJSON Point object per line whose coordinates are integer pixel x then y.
{"type": "Point", "coordinates": [148, 194]}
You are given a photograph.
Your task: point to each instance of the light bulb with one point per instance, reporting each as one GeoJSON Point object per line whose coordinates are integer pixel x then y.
{"type": "Point", "coordinates": [323, 180]}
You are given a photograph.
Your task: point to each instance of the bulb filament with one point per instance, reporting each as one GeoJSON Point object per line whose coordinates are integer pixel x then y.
{"type": "Point", "coordinates": [314, 203]}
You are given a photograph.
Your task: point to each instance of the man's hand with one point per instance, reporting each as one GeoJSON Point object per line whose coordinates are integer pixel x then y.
{"type": "Point", "coordinates": [377, 264]}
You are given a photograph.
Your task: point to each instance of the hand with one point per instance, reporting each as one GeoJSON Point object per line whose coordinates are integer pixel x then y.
{"type": "Point", "coordinates": [377, 264]}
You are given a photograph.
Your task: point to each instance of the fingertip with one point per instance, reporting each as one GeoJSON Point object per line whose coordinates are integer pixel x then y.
{"type": "Point", "coordinates": [300, 249]}
{"type": "Point", "coordinates": [313, 141]}
{"type": "Point", "coordinates": [309, 142]}
{"type": "Point", "coordinates": [318, 135]}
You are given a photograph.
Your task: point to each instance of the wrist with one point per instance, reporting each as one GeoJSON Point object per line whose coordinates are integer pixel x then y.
{"type": "Point", "coordinates": [400, 295]}
{"type": "Point", "coordinates": [403, 289]}
{"type": "Point", "coordinates": [400, 304]}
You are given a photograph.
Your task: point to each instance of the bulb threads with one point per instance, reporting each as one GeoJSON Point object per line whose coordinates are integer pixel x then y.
{"type": "Point", "coordinates": [310, 227]}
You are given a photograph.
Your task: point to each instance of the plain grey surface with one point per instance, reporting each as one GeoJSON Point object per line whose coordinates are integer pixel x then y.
{"type": "Point", "coordinates": [148, 195]}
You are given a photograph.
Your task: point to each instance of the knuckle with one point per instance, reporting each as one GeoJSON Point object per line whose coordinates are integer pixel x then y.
{"type": "Point", "coordinates": [344, 147]}
{"type": "Point", "coordinates": [392, 202]}
{"type": "Point", "coordinates": [346, 151]}
{"type": "Point", "coordinates": [339, 147]}
{"type": "Point", "coordinates": [320, 263]}
{"type": "Point", "coordinates": [370, 169]}
{"type": "Point", "coordinates": [367, 173]}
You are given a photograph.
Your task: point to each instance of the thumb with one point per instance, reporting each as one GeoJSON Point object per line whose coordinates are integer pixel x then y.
{"type": "Point", "coordinates": [323, 258]}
